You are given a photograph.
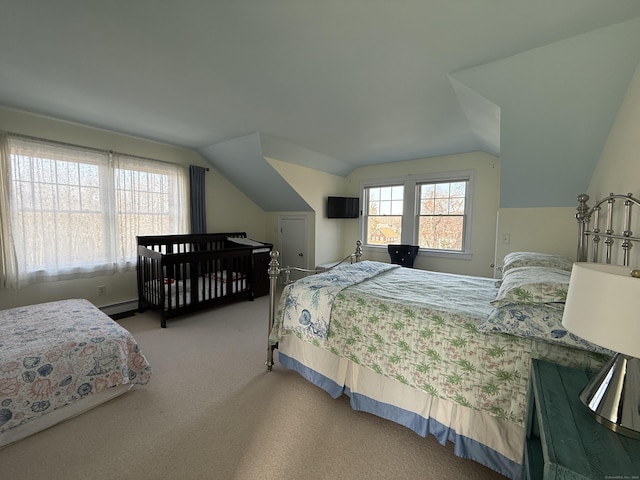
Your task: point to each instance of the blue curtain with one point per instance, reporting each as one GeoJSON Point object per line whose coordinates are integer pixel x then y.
{"type": "Point", "coordinates": [197, 199]}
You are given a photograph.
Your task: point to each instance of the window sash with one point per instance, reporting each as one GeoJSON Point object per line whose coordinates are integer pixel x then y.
{"type": "Point", "coordinates": [442, 214]}
{"type": "Point", "coordinates": [451, 206]}
{"type": "Point", "coordinates": [75, 212]}
{"type": "Point", "coordinates": [383, 214]}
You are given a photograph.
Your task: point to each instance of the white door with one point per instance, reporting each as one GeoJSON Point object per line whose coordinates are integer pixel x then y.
{"type": "Point", "coordinates": [293, 243]}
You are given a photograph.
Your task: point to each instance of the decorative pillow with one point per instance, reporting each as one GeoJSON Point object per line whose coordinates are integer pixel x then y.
{"type": "Point", "coordinates": [540, 322]}
{"type": "Point", "coordinates": [534, 259]}
{"type": "Point", "coordinates": [531, 285]}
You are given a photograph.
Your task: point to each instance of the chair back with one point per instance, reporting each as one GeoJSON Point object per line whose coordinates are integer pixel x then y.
{"type": "Point", "coordinates": [403, 255]}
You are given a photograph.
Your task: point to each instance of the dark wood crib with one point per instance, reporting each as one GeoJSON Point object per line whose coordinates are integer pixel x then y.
{"type": "Point", "coordinates": [179, 274]}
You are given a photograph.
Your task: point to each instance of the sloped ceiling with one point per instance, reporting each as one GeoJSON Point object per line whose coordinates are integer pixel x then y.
{"type": "Point", "coordinates": [336, 84]}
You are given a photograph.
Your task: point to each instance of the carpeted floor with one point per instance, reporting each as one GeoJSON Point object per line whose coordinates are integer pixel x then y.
{"type": "Point", "coordinates": [211, 411]}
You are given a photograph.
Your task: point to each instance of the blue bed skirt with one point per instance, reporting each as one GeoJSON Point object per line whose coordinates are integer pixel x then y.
{"type": "Point", "coordinates": [463, 446]}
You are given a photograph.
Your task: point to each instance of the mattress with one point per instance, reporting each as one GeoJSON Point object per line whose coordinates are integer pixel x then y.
{"type": "Point", "coordinates": [209, 287]}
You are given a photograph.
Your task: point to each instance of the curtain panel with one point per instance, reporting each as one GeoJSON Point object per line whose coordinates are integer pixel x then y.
{"type": "Point", "coordinates": [75, 212]}
{"type": "Point", "coordinates": [197, 199]}
{"type": "Point", "coordinates": [8, 258]}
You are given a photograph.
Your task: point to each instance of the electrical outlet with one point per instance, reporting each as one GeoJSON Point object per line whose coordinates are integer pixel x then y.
{"type": "Point", "coordinates": [102, 290]}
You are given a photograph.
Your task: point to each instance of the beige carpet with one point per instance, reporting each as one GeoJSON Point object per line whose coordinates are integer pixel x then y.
{"type": "Point", "coordinates": [211, 411]}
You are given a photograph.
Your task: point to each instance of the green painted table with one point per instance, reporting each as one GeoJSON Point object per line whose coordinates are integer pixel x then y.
{"type": "Point", "coordinates": [563, 440]}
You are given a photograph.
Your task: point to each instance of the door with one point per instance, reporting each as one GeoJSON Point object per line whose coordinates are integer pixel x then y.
{"type": "Point", "coordinates": [293, 243]}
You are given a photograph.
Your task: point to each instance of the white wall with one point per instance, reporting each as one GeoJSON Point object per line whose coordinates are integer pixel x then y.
{"type": "Point", "coordinates": [227, 207]}
{"type": "Point", "coordinates": [485, 206]}
{"type": "Point", "coordinates": [325, 235]}
{"type": "Point", "coordinates": [546, 230]}
{"type": "Point", "coordinates": [618, 170]}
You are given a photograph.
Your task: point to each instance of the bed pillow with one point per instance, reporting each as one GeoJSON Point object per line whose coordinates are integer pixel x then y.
{"type": "Point", "coordinates": [539, 322]}
{"type": "Point", "coordinates": [534, 259]}
{"type": "Point", "coordinates": [532, 285]}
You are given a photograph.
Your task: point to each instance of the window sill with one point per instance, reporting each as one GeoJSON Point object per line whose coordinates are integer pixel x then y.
{"type": "Point", "coordinates": [424, 253]}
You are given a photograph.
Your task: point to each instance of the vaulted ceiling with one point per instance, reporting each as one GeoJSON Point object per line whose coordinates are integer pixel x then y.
{"type": "Point", "coordinates": [336, 84]}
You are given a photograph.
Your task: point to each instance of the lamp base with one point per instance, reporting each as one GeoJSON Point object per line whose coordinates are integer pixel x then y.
{"type": "Point", "coordinates": [613, 396]}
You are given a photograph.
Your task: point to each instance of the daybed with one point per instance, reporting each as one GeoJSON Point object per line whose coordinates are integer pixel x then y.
{"type": "Point", "coordinates": [439, 353]}
{"type": "Point", "coordinates": [179, 274]}
{"type": "Point", "coordinates": [59, 359]}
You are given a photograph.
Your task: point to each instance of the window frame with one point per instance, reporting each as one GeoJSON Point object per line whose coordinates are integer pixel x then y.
{"type": "Point", "coordinates": [411, 210]}
{"type": "Point", "coordinates": [112, 253]}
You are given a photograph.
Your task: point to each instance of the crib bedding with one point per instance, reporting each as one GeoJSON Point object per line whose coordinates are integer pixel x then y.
{"type": "Point", "coordinates": [209, 287]}
{"type": "Point", "coordinates": [417, 331]}
{"type": "Point", "coordinates": [61, 354]}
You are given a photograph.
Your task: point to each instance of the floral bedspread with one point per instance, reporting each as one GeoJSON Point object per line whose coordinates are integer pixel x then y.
{"type": "Point", "coordinates": [420, 328]}
{"type": "Point", "coordinates": [309, 300]}
{"type": "Point", "coordinates": [53, 354]}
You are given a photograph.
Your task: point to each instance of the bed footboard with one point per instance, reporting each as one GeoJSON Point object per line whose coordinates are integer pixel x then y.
{"type": "Point", "coordinates": [276, 272]}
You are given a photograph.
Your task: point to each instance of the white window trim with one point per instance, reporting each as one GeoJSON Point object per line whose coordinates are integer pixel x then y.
{"type": "Point", "coordinates": [411, 212]}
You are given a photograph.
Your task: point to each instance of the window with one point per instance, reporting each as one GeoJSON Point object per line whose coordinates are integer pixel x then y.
{"type": "Point", "coordinates": [442, 215]}
{"type": "Point", "coordinates": [383, 214]}
{"type": "Point", "coordinates": [431, 211]}
{"type": "Point", "coordinates": [76, 211]}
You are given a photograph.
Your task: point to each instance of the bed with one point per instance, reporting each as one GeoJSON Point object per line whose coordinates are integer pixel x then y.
{"type": "Point", "coordinates": [180, 274]}
{"type": "Point", "coordinates": [441, 354]}
{"type": "Point", "coordinates": [60, 359]}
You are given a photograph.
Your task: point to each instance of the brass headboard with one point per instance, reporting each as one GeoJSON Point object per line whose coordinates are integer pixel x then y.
{"type": "Point", "coordinates": [616, 228]}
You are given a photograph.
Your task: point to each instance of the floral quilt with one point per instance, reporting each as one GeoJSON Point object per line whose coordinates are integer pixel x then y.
{"type": "Point", "coordinates": [421, 328]}
{"type": "Point", "coordinates": [310, 299]}
{"type": "Point", "coordinates": [54, 354]}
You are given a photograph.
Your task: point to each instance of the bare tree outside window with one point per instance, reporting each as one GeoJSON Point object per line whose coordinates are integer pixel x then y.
{"type": "Point", "coordinates": [442, 215]}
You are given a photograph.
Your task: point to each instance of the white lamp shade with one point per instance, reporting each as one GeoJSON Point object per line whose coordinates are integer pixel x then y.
{"type": "Point", "coordinates": [603, 306]}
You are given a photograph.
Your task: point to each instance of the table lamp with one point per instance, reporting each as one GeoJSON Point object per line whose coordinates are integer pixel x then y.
{"type": "Point", "coordinates": [603, 307]}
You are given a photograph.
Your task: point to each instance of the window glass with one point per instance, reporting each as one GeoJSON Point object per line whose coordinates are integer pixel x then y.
{"type": "Point", "coordinates": [429, 211]}
{"type": "Point", "coordinates": [383, 214]}
{"type": "Point", "coordinates": [442, 215]}
{"type": "Point", "coordinates": [77, 211]}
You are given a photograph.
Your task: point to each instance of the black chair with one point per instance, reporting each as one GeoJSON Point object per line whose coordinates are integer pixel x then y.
{"type": "Point", "coordinates": [403, 255]}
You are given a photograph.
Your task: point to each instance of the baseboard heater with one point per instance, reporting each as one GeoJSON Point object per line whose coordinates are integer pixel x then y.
{"type": "Point", "coordinates": [122, 309]}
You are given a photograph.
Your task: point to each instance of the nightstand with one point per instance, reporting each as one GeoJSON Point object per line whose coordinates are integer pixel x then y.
{"type": "Point", "coordinates": [563, 440]}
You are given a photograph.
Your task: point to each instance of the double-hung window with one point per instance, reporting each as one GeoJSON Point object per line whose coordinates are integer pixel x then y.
{"type": "Point", "coordinates": [432, 211]}
{"type": "Point", "coordinates": [75, 212]}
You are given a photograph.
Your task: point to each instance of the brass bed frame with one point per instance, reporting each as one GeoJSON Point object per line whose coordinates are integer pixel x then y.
{"type": "Point", "coordinates": [604, 236]}
{"type": "Point", "coordinates": [588, 231]}
{"type": "Point", "coordinates": [590, 236]}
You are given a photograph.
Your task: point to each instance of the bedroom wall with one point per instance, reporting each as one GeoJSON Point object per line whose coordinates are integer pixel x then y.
{"type": "Point", "coordinates": [485, 206]}
{"type": "Point", "coordinates": [227, 207]}
{"type": "Point", "coordinates": [325, 235]}
{"type": "Point", "coordinates": [547, 230]}
{"type": "Point", "coordinates": [618, 169]}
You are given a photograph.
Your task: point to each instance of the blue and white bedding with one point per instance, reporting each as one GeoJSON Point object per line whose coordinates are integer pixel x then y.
{"type": "Point", "coordinates": [414, 336]}
{"type": "Point", "coordinates": [310, 299]}
{"type": "Point", "coordinates": [53, 355]}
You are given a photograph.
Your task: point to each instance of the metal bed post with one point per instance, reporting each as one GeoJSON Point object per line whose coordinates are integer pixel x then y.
{"type": "Point", "coordinates": [583, 219]}
{"type": "Point", "coordinates": [274, 272]}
